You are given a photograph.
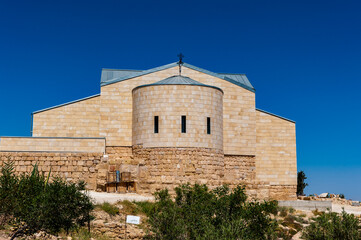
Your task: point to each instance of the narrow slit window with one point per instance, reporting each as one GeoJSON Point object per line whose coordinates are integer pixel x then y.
{"type": "Point", "coordinates": [156, 124]}
{"type": "Point", "coordinates": [184, 124]}
{"type": "Point", "coordinates": [208, 125]}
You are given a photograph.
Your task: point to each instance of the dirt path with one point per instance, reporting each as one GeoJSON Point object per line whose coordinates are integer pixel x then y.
{"type": "Point", "coordinates": [101, 197]}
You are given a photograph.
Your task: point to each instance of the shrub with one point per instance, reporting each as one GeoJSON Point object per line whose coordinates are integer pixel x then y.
{"type": "Point", "coordinates": [39, 205]}
{"type": "Point", "coordinates": [145, 207]}
{"type": "Point", "coordinates": [283, 211]}
{"type": "Point", "coordinates": [198, 213]}
{"type": "Point", "coordinates": [291, 210]}
{"type": "Point", "coordinates": [335, 226]}
{"type": "Point", "coordinates": [109, 208]}
{"type": "Point", "coordinates": [290, 221]}
{"type": "Point", "coordinates": [8, 184]}
{"type": "Point", "coordinates": [316, 212]}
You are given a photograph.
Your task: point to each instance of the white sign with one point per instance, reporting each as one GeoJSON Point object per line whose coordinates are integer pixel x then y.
{"type": "Point", "coordinates": [133, 219]}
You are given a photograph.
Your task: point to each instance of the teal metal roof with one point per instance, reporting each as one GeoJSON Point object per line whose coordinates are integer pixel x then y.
{"type": "Point", "coordinates": [110, 76]}
{"type": "Point", "coordinates": [63, 104]}
{"type": "Point", "coordinates": [178, 80]}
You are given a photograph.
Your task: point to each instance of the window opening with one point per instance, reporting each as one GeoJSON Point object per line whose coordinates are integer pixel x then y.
{"type": "Point", "coordinates": [156, 124]}
{"type": "Point", "coordinates": [184, 124]}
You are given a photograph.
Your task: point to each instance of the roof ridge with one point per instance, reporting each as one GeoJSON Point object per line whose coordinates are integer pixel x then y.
{"type": "Point", "coordinates": [247, 85]}
{"type": "Point", "coordinates": [233, 73]}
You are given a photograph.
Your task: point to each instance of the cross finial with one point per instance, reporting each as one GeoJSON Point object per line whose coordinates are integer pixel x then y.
{"type": "Point", "coordinates": [180, 62]}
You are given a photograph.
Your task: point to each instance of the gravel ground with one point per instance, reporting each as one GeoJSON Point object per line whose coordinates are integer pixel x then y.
{"type": "Point", "coordinates": [101, 197]}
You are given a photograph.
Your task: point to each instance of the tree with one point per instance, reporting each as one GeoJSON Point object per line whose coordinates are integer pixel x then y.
{"type": "Point", "coordinates": [301, 185]}
{"type": "Point", "coordinates": [200, 213]}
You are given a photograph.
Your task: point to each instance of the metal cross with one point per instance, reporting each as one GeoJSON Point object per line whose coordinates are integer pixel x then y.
{"type": "Point", "coordinates": [180, 62]}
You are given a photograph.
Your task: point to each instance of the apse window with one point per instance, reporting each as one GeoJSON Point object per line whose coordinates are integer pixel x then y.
{"type": "Point", "coordinates": [156, 124]}
{"type": "Point", "coordinates": [184, 124]}
{"type": "Point", "coordinates": [208, 125]}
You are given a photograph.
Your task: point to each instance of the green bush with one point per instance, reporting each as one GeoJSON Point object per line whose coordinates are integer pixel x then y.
{"type": "Point", "coordinates": [145, 207]}
{"type": "Point", "coordinates": [39, 205]}
{"type": "Point", "coordinates": [109, 208]}
{"type": "Point", "coordinates": [334, 226]}
{"type": "Point", "coordinates": [198, 213]}
{"type": "Point", "coordinates": [8, 183]}
{"type": "Point", "coordinates": [283, 211]}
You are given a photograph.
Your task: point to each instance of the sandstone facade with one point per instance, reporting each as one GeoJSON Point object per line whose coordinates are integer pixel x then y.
{"type": "Point", "coordinates": [227, 140]}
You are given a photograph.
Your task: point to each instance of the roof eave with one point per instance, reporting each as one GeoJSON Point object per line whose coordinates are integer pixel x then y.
{"type": "Point", "coordinates": [64, 104]}
{"type": "Point", "coordinates": [275, 115]}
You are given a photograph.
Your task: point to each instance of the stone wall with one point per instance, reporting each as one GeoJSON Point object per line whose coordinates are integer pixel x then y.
{"type": "Point", "coordinates": [52, 144]}
{"type": "Point", "coordinates": [76, 119]}
{"type": "Point", "coordinates": [71, 166]}
{"type": "Point", "coordinates": [276, 160]}
{"type": "Point", "coordinates": [169, 167]}
{"type": "Point", "coordinates": [283, 192]}
{"type": "Point", "coordinates": [169, 103]}
{"type": "Point", "coordinates": [239, 168]}
{"type": "Point", "coordinates": [121, 158]}
{"type": "Point", "coordinates": [154, 169]}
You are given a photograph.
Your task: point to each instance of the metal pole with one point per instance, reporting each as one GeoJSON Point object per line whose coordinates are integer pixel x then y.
{"type": "Point", "coordinates": [125, 227]}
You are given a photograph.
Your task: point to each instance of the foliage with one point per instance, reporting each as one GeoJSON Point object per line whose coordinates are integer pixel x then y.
{"type": "Point", "coordinates": [145, 207]}
{"type": "Point", "coordinates": [84, 234]}
{"type": "Point", "coordinates": [109, 208]}
{"type": "Point", "coordinates": [8, 181]}
{"type": "Point", "coordinates": [198, 213]}
{"type": "Point", "coordinates": [40, 205]}
{"type": "Point", "coordinates": [342, 195]}
{"type": "Point", "coordinates": [291, 221]}
{"type": "Point", "coordinates": [316, 212]}
{"type": "Point", "coordinates": [334, 226]}
{"type": "Point", "coordinates": [283, 211]}
{"type": "Point", "coordinates": [301, 185]}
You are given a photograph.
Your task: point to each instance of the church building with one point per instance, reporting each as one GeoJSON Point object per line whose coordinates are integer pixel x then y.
{"type": "Point", "coordinates": [152, 129]}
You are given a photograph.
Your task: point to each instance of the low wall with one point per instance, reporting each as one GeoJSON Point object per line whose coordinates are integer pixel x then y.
{"type": "Point", "coordinates": [52, 144]}
{"type": "Point", "coordinates": [71, 166]}
{"type": "Point", "coordinates": [307, 205]}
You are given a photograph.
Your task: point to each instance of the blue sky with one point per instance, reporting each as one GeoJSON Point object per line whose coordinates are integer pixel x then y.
{"type": "Point", "coordinates": [303, 58]}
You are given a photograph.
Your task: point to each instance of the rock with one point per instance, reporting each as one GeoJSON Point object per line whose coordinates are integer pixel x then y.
{"type": "Point", "coordinates": [323, 195]}
{"type": "Point", "coordinates": [355, 204]}
{"type": "Point", "coordinates": [98, 223]}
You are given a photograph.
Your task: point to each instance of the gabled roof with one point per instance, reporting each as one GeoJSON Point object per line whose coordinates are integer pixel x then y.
{"type": "Point", "coordinates": [110, 76]}
{"type": "Point", "coordinates": [178, 80]}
